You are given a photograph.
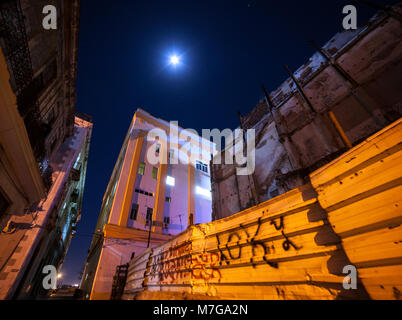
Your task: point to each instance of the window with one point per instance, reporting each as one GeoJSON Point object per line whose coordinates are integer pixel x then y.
{"type": "Point", "coordinates": [166, 221]}
{"type": "Point", "coordinates": [141, 169]}
{"type": "Point", "coordinates": [171, 153]}
{"type": "Point", "coordinates": [168, 199]}
{"type": "Point", "coordinates": [149, 215]}
{"type": "Point", "coordinates": [203, 191]}
{"type": "Point", "coordinates": [170, 181]}
{"type": "Point", "coordinates": [144, 192]}
{"type": "Point", "coordinates": [201, 166]}
{"type": "Point", "coordinates": [134, 211]}
{"type": "Point", "coordinates": [4, 204]}
{"type": "Point", "coordinates": [154, 173]}
{"type": "Point", "coordinates": [158, 148]}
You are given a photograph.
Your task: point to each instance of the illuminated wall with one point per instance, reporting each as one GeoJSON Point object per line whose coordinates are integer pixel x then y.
{"type": "Point", "coordinates": [296, 245]}
{"type": "Point", "coordinates": [147, 202]}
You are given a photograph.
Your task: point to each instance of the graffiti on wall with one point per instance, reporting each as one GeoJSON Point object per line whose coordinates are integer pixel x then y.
{"type": "Point", "coordinates": [205, 266]}
{"type": "Point", "coordinates": [234, 252]}
{"type": "Point", "coordinates": [172, 265]}
{"type": "Point", "coordinates": [178, 263]}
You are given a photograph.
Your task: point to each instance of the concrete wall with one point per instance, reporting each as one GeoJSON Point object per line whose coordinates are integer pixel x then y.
{"type": "Point", "coordinates": [294, 131]}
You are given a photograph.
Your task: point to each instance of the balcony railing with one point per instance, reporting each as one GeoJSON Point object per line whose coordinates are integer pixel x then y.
{"type": "Point", "coordinates": [13, 40]}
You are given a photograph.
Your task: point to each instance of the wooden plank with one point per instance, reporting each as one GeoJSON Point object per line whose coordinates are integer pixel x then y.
{"type": "Point", "coordinates": [381, 207]}
{"type": "Point", "coordinates": [379, 142]}
{"type": "Point", "coordinates": [295, 222]}
{"type": "Point", "coordinates": [376, 245]}
{"type": "Point", "coordinates": [289, 201]}
{"type": "Point", "coordinates": [279, 292]}
{"type": "Point", "coordinates": [309, 269]}
{"type": "Point", "coordinates": [366, 179]}
{"type": "Point", "coordinates": [383, 282]}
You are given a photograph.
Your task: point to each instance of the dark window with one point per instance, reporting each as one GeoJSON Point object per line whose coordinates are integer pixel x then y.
{"type": "Point", "coordinates": [141, 169]}
{"type": "Point", "coordinates": [144, 192]}
{"type": "Point", "coordinates": [168, 199]}
{"type": "Point", "coordinates": [166, 221]}
{"type": "Point", "coordinates": [154, 172]}
{"type": "Point", "coordinates": [134, 211]}
{"type": "Point", "coordinates": [201, 166]}
{"type": "Point", "coordinates": [45, 77]}
{"type": "Point", "coordinates": [158, 148]}
{"type": "Point", "coordinates": [171, 153]}
{"type": "Point", "coordinates": [149, 215]}
{"type": "Point", "coordinates": [4, 204]}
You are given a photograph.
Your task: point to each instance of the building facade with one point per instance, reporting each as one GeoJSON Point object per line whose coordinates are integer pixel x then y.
{"type": "Point", "coordinates": [41, 138]}
{"type": "Point", "coordinates": [57, 215]}
{"type": "Point", "coordinates": [348, 90]}
{"type": "Point", "coordinates": [160, 185]}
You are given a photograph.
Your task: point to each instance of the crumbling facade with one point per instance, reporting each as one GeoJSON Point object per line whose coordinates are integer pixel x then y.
{"type": "Point", "coordinates": [349, 89]}
{"type": "Point", "coordinates": [41, 138]}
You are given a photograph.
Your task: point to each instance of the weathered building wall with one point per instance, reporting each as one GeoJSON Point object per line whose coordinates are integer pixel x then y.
{"type": "Point", "coordinates": [42, 236]}
{"type": "Point", "coordinates": [40, 69]}
{"type": "Point", "coordinates": [43, 67]}
{"type": "Point", "coordinates": [359, 83]}
{"type": "Point", "coordinates": [295, 245]}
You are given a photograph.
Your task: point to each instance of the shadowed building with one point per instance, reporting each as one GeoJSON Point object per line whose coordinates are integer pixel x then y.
{"type": "Point", "coordinates": [43, 144]}
{"type": "Point", "coordinates": [348, 90]}
{"type": "Point", "coordinates": [147, 200]}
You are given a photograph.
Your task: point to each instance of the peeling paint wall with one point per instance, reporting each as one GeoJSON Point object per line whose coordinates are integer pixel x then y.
{"type": "Point", "coordinates": [360, 82]}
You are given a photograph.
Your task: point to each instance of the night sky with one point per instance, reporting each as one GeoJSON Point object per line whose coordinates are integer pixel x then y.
{"type": "Point", "coordinates": [227, 49]}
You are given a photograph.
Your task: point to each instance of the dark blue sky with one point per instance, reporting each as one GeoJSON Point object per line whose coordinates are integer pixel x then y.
{"type": "Point", "coordinates": [228, 49]}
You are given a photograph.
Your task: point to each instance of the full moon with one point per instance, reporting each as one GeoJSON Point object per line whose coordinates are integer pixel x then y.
{"type": "Point", "coordinates": [174, 60]}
